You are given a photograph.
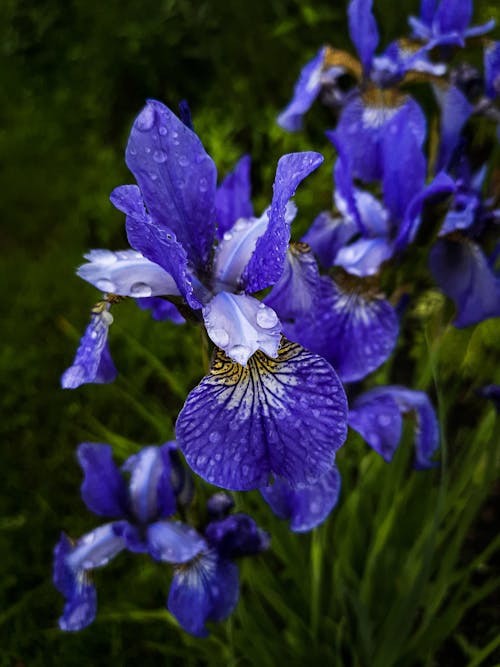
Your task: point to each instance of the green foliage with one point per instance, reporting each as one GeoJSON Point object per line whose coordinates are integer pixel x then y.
{"type": "Point", "coordinates": [403, 573]}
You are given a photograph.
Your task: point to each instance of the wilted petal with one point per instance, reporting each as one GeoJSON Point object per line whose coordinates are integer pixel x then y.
{"type": "Point", "coordinates": [97, 548]}
{"type": "Point", "coordinates": [266, 264]}
{"type": "Point", "coordinates": [236, 535]}
{"type": "Point", "coordinates": [306, 91]}
{"type": "Point", "coordinates": [174, 542]}
{"type": "Point", "coordinates": [205, 590]}
{"type": "Point", "coordinates": [232, 199]}
{"type": "Point", "coordinates": [126, 273]}
{"type": "Point", "coordinates": [93, 361]}
{"type": "Point", "coordinates": [296, 291]}
{"type": "Point", "coordinates": [365, 256]}
{"type": "Point", "coordinates": [308, 507]}
{"type": "Point", "coordinates": [285, 416]}
{"type": "Point", "coordinates": [327, 235]}
{"type": "Point", "coordinates": [103, 489]}
{"type": "Point", "coordinates": [355, 331]}
{"type": "Point", "coordinates": [177, 178]}
{"type": "Point", "coordinates": [463, 273]}
{"type": "Point", "coordinates": [363, 31]}
{"type": "Point", "coordinates": [151, 494]}
{"type": "Point", "coordinates": [378, 420]}
{"type": "Point", "coordinates": [241, 325]}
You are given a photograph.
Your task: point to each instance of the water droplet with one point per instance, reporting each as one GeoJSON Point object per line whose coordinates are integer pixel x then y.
{"type": "Point", "coordinates": [220, 337]}
{"type": "Point", "coordinates": [105, 285]}
{"type": "Point", "coordinates": [201, 460]}
{"type": "Point", "coordinates": [107, 318]}
{"type": "Point", "coordinates": [140, 290]}
{"type": "Point", "coordinates": [266, 318]}
{"type": "Point", "coordinates": [163, 130]}
{"type": "Point", "coordinates": [384, 420]}
{"type": "Point", "coordinates": [183, 161]}
{"type": "Point", "coordinates": [146, 119]}
{"type": "Point", "coordinates": [147, 150]}
{"type": "Point", "coordinates": [159, 156]}
{"type": "Point", "coordinates": [203, 185]}
{"type": "Point", "coordinates": [153, 176]}
{"type": "Point", "coordinates": [240, 354]}
{"type": "Point", "coordinates": [215, 437]}
{"type": "Point", "coordinates": [227, 236]}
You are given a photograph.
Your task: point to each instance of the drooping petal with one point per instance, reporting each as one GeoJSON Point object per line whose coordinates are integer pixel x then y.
{"type": "Point", "coordinates": [492, 69]}
{"type": "Point", "coordinates": [354, 331]}
{"type": "Point", "coordinates": [177, 178]}
{"type": "Point", "coordinates": [296, 291]}
{"type": "Point", "coordinates": [455, 111]}
{"type": "Point", "coordinates": [151, 494]}
{"type": "Point", "coordinates": [97, 548]}
{"type": "Point", "coordinates": [126, 273]}
{"type": "Point", "coordinates": [92, 361]}
{"type": "Point", "coordinates": [236, 535]}
{"type": "Point", "coordinates": [305, 508]}
{"type": "Point", "coordinates": [103, 489]}
{"type": "Point", "coordinates": [240, 325]}
{"type": "Point", "coordinates": [161, 309]}
{"type": "Point", "coordinates": [363, 31]}
{"type": "Point", "coordinates": [306, 91]}
{"type": "Point", "coordinates": [327, 235]}
{"type": "Point", "coordinates": [378, 420]}
{"type": "Point", "coordinates": [462, 271]}
{"type": "Point", "coordinates": [174, 542]}
{"type": "Point", "coordinates": [232, 199]}
{"type": "Point", "coordinates": [81, 598]}
{"type": "Point", "coordinates": [205, 590]}
{"type": "Point", "coordinates": [285, 416]}
{"type": "Point", "coordinates": [266, 264]}
{"type": "Point", "coordinates": [364, 257]}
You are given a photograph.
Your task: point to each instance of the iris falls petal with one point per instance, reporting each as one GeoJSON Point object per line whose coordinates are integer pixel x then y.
{"type": "Point", "coordinates": [285, 416]}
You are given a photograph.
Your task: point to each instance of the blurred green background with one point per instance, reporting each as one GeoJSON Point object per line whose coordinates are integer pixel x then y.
{"type": "Point", "coordinates": [73, 76]}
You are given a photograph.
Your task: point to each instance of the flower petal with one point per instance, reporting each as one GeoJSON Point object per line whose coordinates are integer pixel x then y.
{"type": "Point", "coordinates": [364, 257]}
{"type": "Point", "coordinates": [205, 590]}
{"type": "Point", "coordinates": [266, 264]}
{"type": "Point", "coordinates": [92, 361]}
{"type": "Point", "coordinates": [232, 199]}
{"type": "Point", "coordinates": [161, 309]}
{"type": "Point", "coordinates": [126, 273]}
{"type": "Point", "coordinates": [307, 507]}
{"type": "Point", "coordinates": [241, 325]}
{"type": "Point", "coordinates": [492, 69]}
{"type": "Point", "coordinates": [236, 535]}
{"type": "Point", "coordinates": [355, 332]}
{"type": "Point", "coordinates": [455, 111]}
{"type": "Point", "coordinates": [378, 420]}
{"type": "Point", "coordinates": [103, 489]}
{"type": "Point", "coordinates": [327, 235]}
{"type": "Point", "coordinates": [177, 178]}
{"type": "Point", "coordinates": [462, 272]}
{"type": "Point", "coordinates": [97, 548]}
{"type": "Point", "coordinates": [363, 31]}
{"type": "Point", "coordinates": [306, 91]}
{"type": "Point", "coordinates": [285, 416]}
{"type": "Point", "coordinates": [174, 542]}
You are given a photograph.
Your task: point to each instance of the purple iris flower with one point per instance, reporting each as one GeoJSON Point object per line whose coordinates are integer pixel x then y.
{"type": "Point", "coordinates": [377, 416]}
{"type": "Point", "coordinates": [446, 23]}
{"type": "Point", "coordinates": [141, 507]}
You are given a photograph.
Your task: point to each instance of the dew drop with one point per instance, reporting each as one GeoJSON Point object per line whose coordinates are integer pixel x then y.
{"type": "Point", "coordinates": [227, 236]}
{"type": "Point", "coordinates": [153, 176]}
{"type": "Point", "coordinates": [213, 438]}
{"type": "Point", "coordinates": [266, 318]}
{"type": "Point", "coordinates": [384, 420]}
{"type": "Point", "coordinates": [203, 185]}
{"type": "Point", "coordinates": [183, 161]}
{"type": "Point", "coordinates": [146, 119]}
{"type": "Point", "coordinates": [220, 337]}
{"type": "Point", "coordinates": [105, 285]}
{"type": "Point", "coordinates": [163, 130]}
{"type": "Point", "coordinates": [159, 156]}
{"type": "Point", "coordinates": [140, 290]}
{"type": "Point", "coordinates": [240, 354]}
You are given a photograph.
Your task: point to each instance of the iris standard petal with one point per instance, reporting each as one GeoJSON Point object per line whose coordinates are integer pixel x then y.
{"type": "Point", "coordinates": [266, 264]}
{"type": "Point", "coordinates": [232, 199]}
{"type": "Point", "coordinates": [97, 548]}
{"type": "Point", "coordinates": [149, 471]}
{"type": "Point", "coordinates": [327, 235]}
{"type": "Point", "coordinates": [126, 273]}
{"type": "Point", "coordinates": [305, 508]}
{"type": "Point", "coordinates": [285, 416]}
{"type": "Point", "coordinates": [296, 291]}
{"type": "Point", "coordinates": [177, 178]}
{"type": "Point", "coordinates": [306, 91]}
{"type": "Point", "coordinates": [354, 329]}
{"type": "Point", "coordinates": [365, 256]}
{"type": "Point", "coordinates": [92, 361]}
{"type": "Point", "coordinates": [174, 542]}
{"type": "Point", "coordinates": [455, 111]}
{"type": "Point", "coordinates": [161, 309]}
{"type": "Point", "coordinates": [103, 489]}
{"type": "Point", "coordinates": [463, 273]}
{"type": "Point", "coordinates": [236, 535]}
{"type": "Point", "coordinates": [378, 420]}
{"type": "Point", "coordinates": [205, 590]}
{"type": "Point", "coordinates": [363, 31]}
{"type": "Point", "coordinates": [240, 325]}
{"type": "Point", "coordinates": [453, 15]}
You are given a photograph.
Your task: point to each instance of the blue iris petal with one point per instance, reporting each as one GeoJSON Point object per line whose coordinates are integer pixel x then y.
{"type": "Point", "coordinates": [161, 309]}
{"type": "Point", "coordinates": [266, 264]}
{"type": "Point", "coordinates": [363, 31]}
{"type": "Point", "coordinates": [308, 507]}
{"type": "Point", "coordinates": [97, 548]}
{"type": "Point", "coordinates": [285, 416]}
{"type": "Point", "coordinates": [327, 235]}
{"type": "Point", "coordinates": [240, 325]}
{"type": "Point", "coordinates": [103, 489]}
{"type": "Point", "coordinates": [232, 199]}
{"type": "Point", "coordinates": [92, 361]}
{"type": "Point", "coordinates": [462, 271]}
{"type": "Point", "coordinates": [306, 91]}
{"type": "Point", "coordinates": [492, 69]}
{"type": "Point", "coordinates": [455, 111]}
{"type": "Point", "coordinates": [205, 590]}
{"type": "Point", "coordinates": [174, 542]}
{"type": "Point", "coordinates": [236, 535]}
{"type": "Point", "coordinates": [177, 178]}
